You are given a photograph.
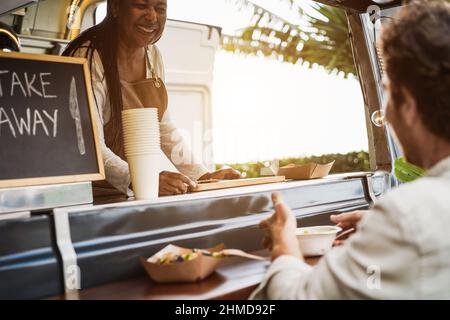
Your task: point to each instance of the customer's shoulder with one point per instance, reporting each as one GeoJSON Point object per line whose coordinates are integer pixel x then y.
{"type": "Point", "coordinates": [421, 211]}
{"type": "Point", "coordinates": [422, 188]}
{"type": "Point", "coordinates": [424, 197]}
{"type": "Point", "coordinates": [426, 188]}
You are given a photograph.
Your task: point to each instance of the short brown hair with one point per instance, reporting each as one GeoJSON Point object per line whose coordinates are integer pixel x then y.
{"type": "Point", "coordinates": [416, 50]}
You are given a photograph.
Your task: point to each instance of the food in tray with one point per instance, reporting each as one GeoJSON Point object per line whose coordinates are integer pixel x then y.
{"type": "Point", "coordinates": [218, 254]}
{"type": "Point", "coordinates": [177, 264]}
{"type": "Point", "coordinates": [171, 257]}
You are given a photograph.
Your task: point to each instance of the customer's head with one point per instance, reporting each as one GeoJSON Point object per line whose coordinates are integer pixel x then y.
{"type": "Point", "coordinates": [140, 22]}
{"type": "Point", "coordinates": [416, 49]}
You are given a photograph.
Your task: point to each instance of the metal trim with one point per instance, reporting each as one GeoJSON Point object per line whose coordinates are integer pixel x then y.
{"type": "Point", "coordinates": [70, 270]}
{"type": "Point", "coordinates": [44, 197]}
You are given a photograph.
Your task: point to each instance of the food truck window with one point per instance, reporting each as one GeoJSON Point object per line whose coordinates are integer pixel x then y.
{"type": "Point", "coordinates": [284, 85]}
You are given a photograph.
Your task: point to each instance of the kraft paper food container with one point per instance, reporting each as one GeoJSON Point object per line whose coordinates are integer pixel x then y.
{"type": "Point", "coordinates": [306, 171]}
{"type": "Point", "coordinates": [189, 271]}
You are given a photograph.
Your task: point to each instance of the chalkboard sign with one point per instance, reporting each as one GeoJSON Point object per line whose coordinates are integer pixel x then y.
{"type": "Point", "coordinates": [48, 131]}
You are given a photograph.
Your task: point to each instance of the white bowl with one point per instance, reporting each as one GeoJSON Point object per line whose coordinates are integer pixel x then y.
{"type": "Point", "coordinates": [316, 241]}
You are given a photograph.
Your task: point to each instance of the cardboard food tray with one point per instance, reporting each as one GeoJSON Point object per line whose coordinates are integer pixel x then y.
{"type": "Point", "coordinates": [306, 171]}
{"type": "Point", "coordinates": [189, 271]}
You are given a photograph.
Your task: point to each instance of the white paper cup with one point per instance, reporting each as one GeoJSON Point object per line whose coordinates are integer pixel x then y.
{"type": "Point", "coordinates": [141, 137]}
{"type": "Point", "coordinates": [144, 171]}
{"type": "Point", "coordinates": [139, 128]}
{"type": "Point", "coordinates": [142, 115]}
{"type": "Point", "coordinates": [140, 152]}
{"type": "Point", "coordinates": [130, 143]}
{"type": "Point", "coordinates": [132, 114]}
{"type": "Point", "coordinates": [142, 149]}
{"type": "Point", "coordinates": [137, 114]}
{"type": "Point", "coordinates": [143, 144]}
{"type": "Point", "coordinates": [142, 141]}
{"type": "Point", "coordinates": [148, 126]}
{"type": "Point", "coordinates": [144, 121]}
{"type": "Point", "coordinates": [141, 133]}
{"type": "Point", "coordinates": [128, 156]}
{"type": "Point", "coordinates": [139, 110]}
{"type": "Point", "coordinates": [139, 148]}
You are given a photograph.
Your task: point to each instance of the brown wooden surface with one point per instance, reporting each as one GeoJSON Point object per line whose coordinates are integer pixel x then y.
{"type": "Point", "coordinates": [234, 280]}
{"type": "Point", "coordinates": [225, 184]}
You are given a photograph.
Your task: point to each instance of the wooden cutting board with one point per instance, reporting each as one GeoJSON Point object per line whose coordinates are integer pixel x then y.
{"type": "Point", "coordinates": [225, 184]}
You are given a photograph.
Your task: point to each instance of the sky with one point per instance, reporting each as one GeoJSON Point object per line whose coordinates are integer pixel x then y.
{"type": "Point", "coordinates": [264, 109]}
{"type": "Point", "coordinates": [225, 13]}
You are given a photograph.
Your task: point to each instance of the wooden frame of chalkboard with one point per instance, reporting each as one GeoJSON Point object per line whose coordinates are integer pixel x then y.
{"type": "Point", "coordinates": [94, 171]}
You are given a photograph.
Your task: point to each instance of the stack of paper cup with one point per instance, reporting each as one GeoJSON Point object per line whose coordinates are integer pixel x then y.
{"type": "Point", "coordinates": [142, 148]}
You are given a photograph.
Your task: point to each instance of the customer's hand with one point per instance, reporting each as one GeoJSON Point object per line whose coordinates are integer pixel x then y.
{"type": "Point", "coordinates": [172, 183]}
{"type": "Point", "coordinates": [281, 227]}
{"type": "Point", "coordinates": [222, 174]}
{"type": "Point", "coordinates": [346, 221]}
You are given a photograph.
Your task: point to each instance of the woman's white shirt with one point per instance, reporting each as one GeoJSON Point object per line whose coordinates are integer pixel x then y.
{"type": "Point", "coordinates": [116, 169]}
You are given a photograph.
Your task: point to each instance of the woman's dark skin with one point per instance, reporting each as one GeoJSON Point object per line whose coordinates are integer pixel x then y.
{"type": "Point", "coordinates": [141, 23]}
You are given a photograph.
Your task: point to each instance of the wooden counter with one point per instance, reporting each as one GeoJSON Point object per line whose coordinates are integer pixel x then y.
{"type": "Point", "coordinates": [235, 280]}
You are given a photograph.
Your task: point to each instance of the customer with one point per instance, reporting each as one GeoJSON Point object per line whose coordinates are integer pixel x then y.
{"type": "Point", "coordinates": [401, 249]}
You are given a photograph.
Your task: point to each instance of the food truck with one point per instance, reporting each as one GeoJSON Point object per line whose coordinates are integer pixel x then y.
{"type": "Point", "coordinates": [57, 241]}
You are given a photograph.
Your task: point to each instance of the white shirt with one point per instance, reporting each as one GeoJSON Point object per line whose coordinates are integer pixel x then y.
{"type": "Point", "coordinates": [116, 169]}
{"type": "Point", "coordinates": [400, 251]}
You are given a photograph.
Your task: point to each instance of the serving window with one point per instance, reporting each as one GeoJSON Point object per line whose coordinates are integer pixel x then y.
{"type": "Point", "coordinates": [281, 87]}
{"type": "Point", "coordinates": [284, 90]}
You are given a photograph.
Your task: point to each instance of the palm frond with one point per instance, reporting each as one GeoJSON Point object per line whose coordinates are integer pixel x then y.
{"type": "Point", "coordinates": [324, 41]}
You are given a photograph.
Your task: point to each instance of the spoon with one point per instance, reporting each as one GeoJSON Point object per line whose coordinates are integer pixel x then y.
{"type": "Point", "coordinates": [345, 232]}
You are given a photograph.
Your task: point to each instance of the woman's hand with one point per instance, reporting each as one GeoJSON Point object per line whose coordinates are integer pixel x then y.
{"type": "Point", "coordinates": [222, 174]}
{"type": "Point", "coordinates": [346, 221]}
{"type": "Point", "coordinates": [172, 183]}
{"type": "Point", "coordinates": [281, 227]}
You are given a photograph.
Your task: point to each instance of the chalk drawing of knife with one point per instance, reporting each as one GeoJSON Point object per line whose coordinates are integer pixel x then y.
{"type": "Point", "coordinates": [75, 112]}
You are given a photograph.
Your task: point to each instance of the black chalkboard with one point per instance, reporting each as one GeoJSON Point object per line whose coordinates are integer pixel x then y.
{"type": "Point", "coordinates": [47, 122]}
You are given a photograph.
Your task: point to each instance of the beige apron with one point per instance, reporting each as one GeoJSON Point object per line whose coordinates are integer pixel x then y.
{"type": "Point", "coordinates": [142, 94]}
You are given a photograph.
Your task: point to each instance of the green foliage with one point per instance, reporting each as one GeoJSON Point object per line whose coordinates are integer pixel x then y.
{"type": "Point", "coordinates": [406, 172]}
{"type": "Point", "coordinates": [350, 162]}
{"type": "Point", "coordinates": [323, 41]}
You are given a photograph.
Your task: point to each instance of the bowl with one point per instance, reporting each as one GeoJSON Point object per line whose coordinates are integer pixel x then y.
{"type": "Point", "coordinates": [316, 241]}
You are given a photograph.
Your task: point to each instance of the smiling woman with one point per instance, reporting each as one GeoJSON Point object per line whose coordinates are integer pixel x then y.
{"type": "Point", "coordinates": [128, 73]}
{"type": "Point", "coordinates": [140, 23]}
